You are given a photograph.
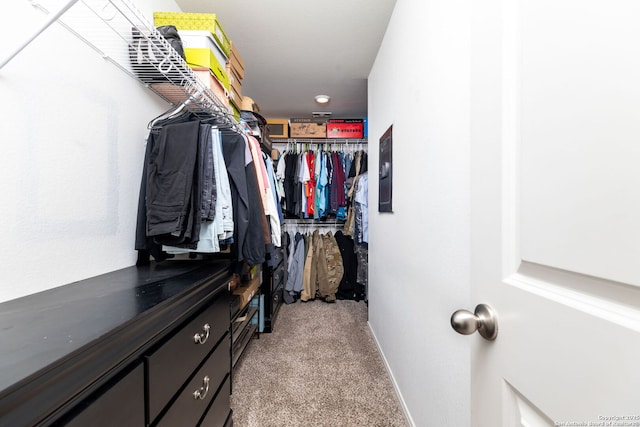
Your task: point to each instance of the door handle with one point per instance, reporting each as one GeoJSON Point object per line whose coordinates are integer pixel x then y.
{"type": "Point", "coordinates": [484, 320]}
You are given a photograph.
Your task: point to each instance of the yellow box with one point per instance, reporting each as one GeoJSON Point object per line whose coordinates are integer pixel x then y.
{"type": "Point", "coordinates": [204, 59]}
{"type": "Point", "coordinates": [195, 21]}
{"type": "Point", "coordinates": [200, 39]}
{"type": "Point", "coordinates": [235, 111]}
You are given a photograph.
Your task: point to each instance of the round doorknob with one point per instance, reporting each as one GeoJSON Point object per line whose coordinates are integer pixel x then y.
{"type": "Point", "coordinates": [483, 320]}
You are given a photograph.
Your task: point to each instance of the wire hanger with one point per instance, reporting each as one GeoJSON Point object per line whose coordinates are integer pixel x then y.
{"type": "Point", "coordinates": [171, 112]}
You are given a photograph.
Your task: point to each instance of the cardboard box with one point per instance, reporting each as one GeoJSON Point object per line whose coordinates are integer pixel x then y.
{"type": "Point", "coordinates": [209, 79]}
{"type": "Point", "coordinates": [247, 291]}
{"type": "Point", "coordinates": [307, 128]}
{"type": "Point", "coordinates": [195, 21]}
{"type": "Point", "coordinates": [278, 128]}
{"type": "Point", "coordinates": [235, 93]}
{"type": "Point", "coordinates": [249, 105]}
{"type": "Point", "coordinates": [236, 61]}
{"type": "Point", "coordinates": [204, 59]}
{"type": "Point", "coordinates": [233, 76]}
{"type": "Point", "coordinates": [345, 128]}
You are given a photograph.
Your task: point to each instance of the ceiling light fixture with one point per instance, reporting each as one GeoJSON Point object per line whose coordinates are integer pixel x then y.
{"type": "Point", "coordinates": [322, 99]}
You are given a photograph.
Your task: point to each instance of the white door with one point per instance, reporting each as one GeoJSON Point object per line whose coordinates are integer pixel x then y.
{"type": "Point", "coordinates": [555, 137]}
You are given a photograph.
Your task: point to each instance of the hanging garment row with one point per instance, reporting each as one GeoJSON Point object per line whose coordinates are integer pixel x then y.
{"type": "Point", "coordinates": [321, 265]}
{"type": "Point", "coordinates": [206, 188]}
{"type": "Point", "coordinates": [313, 269]}
{"type": "Point", "coordinates": [332, 265]}
{"type": "Point", "coordinates": [315, 183]}
{"type": "Point", "coordinates": [357, 226]}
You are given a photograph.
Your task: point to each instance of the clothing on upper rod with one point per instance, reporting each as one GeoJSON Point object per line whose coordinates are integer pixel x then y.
{"type": "Point", "coordinates": [313, 182]}
{"type": "Point", "coordinates": [313, 268]}
{"type": "Point", "coordinates": [204, 189]}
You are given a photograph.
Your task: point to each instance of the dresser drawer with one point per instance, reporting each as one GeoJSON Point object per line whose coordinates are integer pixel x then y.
{"type": "Point", "coordinates": [219, 411]}
{"type": "Point", "coordinates": [119, 403]}
{"type": "Point", "coordinates": [278, 276]}
{"type": "Point", "coordinates": [276, 300]}
{"type": "Point", "coordinates": [172, 364]}
{"type": "Point", "coordinates": [278, 256]}
{"type": "Point", "coordinates": [191, 403]}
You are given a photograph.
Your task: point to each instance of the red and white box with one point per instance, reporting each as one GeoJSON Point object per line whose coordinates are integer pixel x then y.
{"type": "Point", "coordinates": [345, 128]}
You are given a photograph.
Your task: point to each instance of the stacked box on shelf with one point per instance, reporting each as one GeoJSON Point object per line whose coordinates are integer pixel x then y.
{"type": "Point", "coordinates": [209, 79]}
{"type": "Point", "coordinates": [207, 50]}
{"type": "Point", "coordinates": [235, 87]}
{"type": "Point", "coordinates": [203, 53]}
{"type": "Point", "coordinates": [345, 128]}
{"type": "Point", "coordinates": [308, 128]}
{"type": "Point", "coordinates": [235, 70]}
{"type": "Point", "coordinates": [246, 292]}
{"type": "Point", "coordinates": [195, 21]}
{"type": "Point", "coordinates": [235, 111]}
{"type": "Point", "coordinates": [278, 128]}
{"type": "Point", "coordinates": [237, 64]}
{"type": "Point", "coordinates": [203, 59]}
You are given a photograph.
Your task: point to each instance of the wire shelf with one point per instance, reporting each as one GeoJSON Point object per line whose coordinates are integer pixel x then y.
{"type": "Point", "coordinates": [119, 32]}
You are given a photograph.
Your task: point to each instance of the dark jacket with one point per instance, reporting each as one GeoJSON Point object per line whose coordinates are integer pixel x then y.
{"type": "Point", "coordinates": [248, 242]}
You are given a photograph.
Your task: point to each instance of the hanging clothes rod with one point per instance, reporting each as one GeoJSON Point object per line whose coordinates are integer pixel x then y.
{"type": "Point", "coordinates": [313, 222]}
{"type": "Point", "coordinates": [328, 141]}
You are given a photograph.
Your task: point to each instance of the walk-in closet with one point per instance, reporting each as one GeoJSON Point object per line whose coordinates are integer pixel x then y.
{"type": "Point", "coordinates": [267, 213]}
{"type": "Point", "coordinates": [235, 287]}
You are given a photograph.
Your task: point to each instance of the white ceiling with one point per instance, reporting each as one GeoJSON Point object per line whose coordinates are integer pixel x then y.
{"type": "Point", "coordinates": [296, 49]}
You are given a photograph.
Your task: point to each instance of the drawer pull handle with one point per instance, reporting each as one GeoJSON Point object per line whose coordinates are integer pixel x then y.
{"type": "Point", "coordinates": [201, 393]}
{"type": "Point", "coordinates": [201, 338]}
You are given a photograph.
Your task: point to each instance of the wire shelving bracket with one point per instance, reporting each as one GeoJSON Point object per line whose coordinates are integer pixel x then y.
{"type": "Point", "coordinates": [121, 34]}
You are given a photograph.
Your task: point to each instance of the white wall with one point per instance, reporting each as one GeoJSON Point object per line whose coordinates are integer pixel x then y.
{"type": "Point", "coordinates": [419, 255]}
{"type": "Point", "coordinates": [73, 129]}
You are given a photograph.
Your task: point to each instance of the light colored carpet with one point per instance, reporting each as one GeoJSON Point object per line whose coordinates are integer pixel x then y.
{"type": "Point", "coordinates": [320, 367]}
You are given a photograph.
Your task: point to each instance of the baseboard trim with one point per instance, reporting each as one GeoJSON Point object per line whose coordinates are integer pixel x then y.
{"type": "Point", "coordinates": [403, 405]}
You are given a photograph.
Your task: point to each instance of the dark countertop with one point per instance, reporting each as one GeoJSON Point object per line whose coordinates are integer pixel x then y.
{"type": "Point", "coordinates": [108, 317]}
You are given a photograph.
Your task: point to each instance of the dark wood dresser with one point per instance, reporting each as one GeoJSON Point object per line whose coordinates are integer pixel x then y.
{"type": "Point", "coordinates": [141, 346]}
{"type": "Point", "coordinates": [273, 281]}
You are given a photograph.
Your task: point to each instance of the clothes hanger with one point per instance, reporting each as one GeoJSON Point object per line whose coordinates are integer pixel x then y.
{"type": "Point", "coordinates": [172, 112]}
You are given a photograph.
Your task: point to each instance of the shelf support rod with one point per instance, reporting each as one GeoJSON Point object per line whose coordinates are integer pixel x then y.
{"type": "Point", "coordinates": [46, 25]}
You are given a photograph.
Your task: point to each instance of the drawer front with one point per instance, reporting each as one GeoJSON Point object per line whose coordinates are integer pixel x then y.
{"type": "Point", "coordinates": [171, 365]}
{"type": "Point", "coordinates": [229, 422]}
{"type": "Point", "coordinates": [121, 404]}
{"type": "Point", "coordinates": [276, 299]}
{"type": "Point", "coordinates": [278, 277]}
{"type": "Point", "coordinates": [220, 410]}
{"type": "Point", "coordinates": [200, 391]}
{"type": "Point", "coordinates": [278, 256]}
